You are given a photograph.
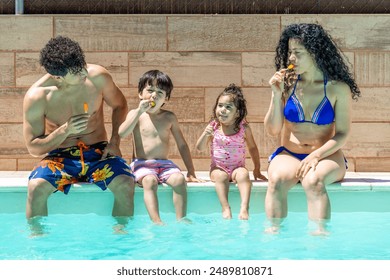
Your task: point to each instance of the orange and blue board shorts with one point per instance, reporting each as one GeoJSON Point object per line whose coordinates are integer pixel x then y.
{"type": "Point", "coordinates": [64, 166]}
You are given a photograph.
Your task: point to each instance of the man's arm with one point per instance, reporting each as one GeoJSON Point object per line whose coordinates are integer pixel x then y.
{"type": "Point", "coordinates": [114, 98]}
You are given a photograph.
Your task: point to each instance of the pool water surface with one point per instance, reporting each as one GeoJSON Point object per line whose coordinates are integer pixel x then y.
{"type": "Point", "coordinates": [79, 227]}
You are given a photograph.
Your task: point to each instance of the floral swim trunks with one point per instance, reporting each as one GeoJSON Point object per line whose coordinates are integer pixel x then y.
{"type": "Point", "coordinates": [64, 166]}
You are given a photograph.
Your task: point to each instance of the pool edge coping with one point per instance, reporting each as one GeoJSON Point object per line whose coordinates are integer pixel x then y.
{"type": "Point", "coordinates": [353, 181]}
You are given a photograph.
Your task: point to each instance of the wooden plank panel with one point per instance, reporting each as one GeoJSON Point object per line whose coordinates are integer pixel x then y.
{"type": "Point", "coordinates": [25, 33]}
{"type": "Point", "coordinates": [8, 164]}
{"type": "Point", "coordinates": [257, 68]}
{"type": "Point", "coordinates": [27, 164]}
{"type": "Point", "coordinates": [373, 164]}
{"type": "Point", "coordinates": [7, 76]}
{"type": "Point", "coordinates": [11, 105]}
{"type": "Point", "coordinates": [187, 104]}
{"type": "Point", "coordinates": [368, 140]}
{"type": "Point", "coordinates": [372, 106]}
{"type": "Point", "coordinates": [115, 62]}
{"type": "Point", "coordinates": [12, 92]}
{"type": "Point", "coordinates": [350, 31]}
{"type": "Point", "coordinates": [191, 132]}
{"type": "Point", "coordinates": [223, 33]}
{"type": "Point", "coordinates": [192, 69]}
{"type": "Point", "coordinates": [14, 151]}
{"type": "Point", "coordinates": [373, 68]}
{"type": "Point", "coordinates": [114, 32]}
{"type": "Point", "coordinates": [11, 135]}
{"type": "Point", "coordinates": [11, 110]}
{"type": "Point", "coordinates": [28, 69]}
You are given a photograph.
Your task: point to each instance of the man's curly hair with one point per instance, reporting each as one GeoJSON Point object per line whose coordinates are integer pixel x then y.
{"type": "Point", "coordinates": [62, 55]}
{"type": "Point", "coordinates": [322, 48]}
{"type": "Point", "coordinates": [235, 92]}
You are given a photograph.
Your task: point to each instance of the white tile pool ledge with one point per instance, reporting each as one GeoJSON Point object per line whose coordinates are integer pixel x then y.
{"type": "Point", "coordinates": [352, 181]}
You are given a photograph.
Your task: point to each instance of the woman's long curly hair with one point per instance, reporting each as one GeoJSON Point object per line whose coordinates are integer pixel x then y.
{"type": "Point", "coordinates": [62, 55]}
{"type": "Point", "coordinates": [237, 97]}
{"type": "Point", "coordinates": [322, 48]}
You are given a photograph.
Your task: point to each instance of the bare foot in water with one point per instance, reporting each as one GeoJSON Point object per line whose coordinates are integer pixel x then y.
{"type": "Point", "coordinates": [227, 213]}
{"type": "Point", "coordinates": [274, 226]}
{"type": "Point", "coordinates": [37, 227]}
{"type": "Point", "coordinates": [119, 229]}
{"type": "Point", "coordinates": [244, 214]}
{"type": "Point", "coordinates": [321, 230]}
{"type": "Point", "coordinates": [185, 220]}
{"type": "Point", "coordinates": [272, 230]}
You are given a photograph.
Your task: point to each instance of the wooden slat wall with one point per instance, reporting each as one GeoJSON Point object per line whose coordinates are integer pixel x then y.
{"type": "Point", "coordinates": [202, 54]}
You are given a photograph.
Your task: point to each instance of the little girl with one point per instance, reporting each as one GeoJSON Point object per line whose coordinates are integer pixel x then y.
{"type": "Point", "coordinates": [227, 133]}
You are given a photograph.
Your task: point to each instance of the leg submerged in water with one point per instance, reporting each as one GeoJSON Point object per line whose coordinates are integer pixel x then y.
{"type": "Point", "coordinates": [179, 187]}
{"type": "Point", "coordinates": [38, 192]}
{"type": "Point", "coordinates": [123, 189]}
{"type": "Point", "coordinates": [241, 176]}
{"type": "Point", "coordinates": [221, 180]}
{"type": "Point", "coordinates": [281, 178]}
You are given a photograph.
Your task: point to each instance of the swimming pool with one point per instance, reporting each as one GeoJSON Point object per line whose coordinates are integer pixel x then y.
{"type": "Point", "coordinates": [80, 227]}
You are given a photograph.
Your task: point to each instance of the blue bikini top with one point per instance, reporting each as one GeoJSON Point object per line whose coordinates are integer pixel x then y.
{"type": "Point", "coordinates": [323, 115]}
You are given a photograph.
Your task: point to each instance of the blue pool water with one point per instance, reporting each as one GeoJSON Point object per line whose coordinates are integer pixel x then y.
{"type": "Point", "coordinates": [79, 227]}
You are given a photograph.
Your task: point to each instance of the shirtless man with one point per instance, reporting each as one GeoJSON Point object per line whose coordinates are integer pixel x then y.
{"type": "Point", "coordinates": [151, 127]}
{"type": "Point", "coordinates": [63, 120]}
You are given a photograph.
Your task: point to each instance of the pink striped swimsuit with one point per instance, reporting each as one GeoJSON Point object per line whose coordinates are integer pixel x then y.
{"type": "Point", "coordinates": [227, 151]}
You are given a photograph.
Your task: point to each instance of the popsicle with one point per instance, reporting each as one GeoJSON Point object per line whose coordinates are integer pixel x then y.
{"type": "Point", "coordinates": [152, 103]}
{"type": "Point", "coordinates": [290, 67]}
{"type": "Point", "coordinates": [85, 107]}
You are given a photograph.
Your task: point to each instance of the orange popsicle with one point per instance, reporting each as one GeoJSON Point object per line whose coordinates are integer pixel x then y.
{"type": "Point", "coordinates": [291, 66]}
{"type": "Point", "coordinates": [85, 107]}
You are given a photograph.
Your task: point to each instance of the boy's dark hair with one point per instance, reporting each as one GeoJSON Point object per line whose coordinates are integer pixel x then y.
{"type": "Point", "coordinates": [62, 55]}
{"type": "Point", "coordinates": [239, 101]}
{"type": "Point", "coordinates": [158, 78]}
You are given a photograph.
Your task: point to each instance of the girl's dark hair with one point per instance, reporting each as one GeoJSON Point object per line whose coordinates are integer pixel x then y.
{"type": "Point", "coordinates": [322, 48]}
{"type": "Point", "coordinates": [158, 78]}
{"type": "Point", "coordinates": [239, 101]}
{"type": "Point", "coordinates": [62, 55]}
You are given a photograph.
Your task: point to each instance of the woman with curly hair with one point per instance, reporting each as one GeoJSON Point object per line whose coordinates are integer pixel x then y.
{"type": "Point", "coordinates": [310, 109]}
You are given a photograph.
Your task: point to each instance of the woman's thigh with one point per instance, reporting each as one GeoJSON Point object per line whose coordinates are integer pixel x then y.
{"type": "Point", "coordinates": [282, 170]}
{"type": "Point", "coordinates": [329, 170]}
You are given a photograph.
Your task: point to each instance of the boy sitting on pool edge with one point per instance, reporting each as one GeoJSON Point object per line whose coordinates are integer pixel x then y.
{"type": "Point", "coordinates": [151, 127]}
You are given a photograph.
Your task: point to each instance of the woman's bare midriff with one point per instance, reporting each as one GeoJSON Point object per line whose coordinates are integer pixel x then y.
{"type": "Point", "coordinates": [304, 138]}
